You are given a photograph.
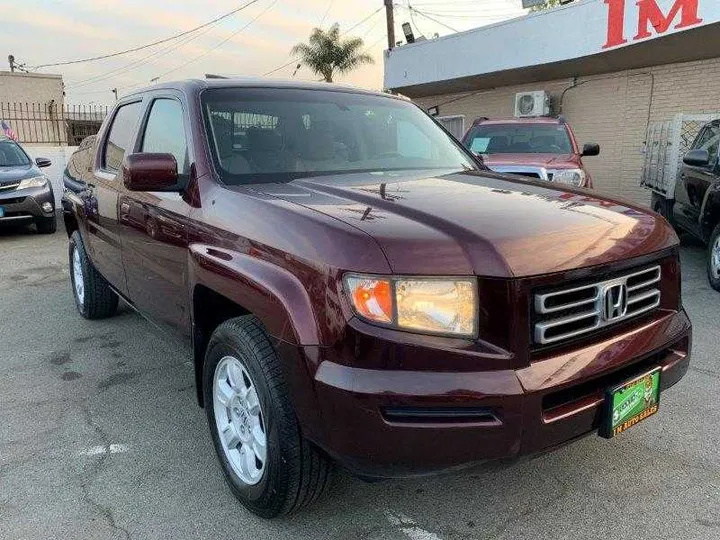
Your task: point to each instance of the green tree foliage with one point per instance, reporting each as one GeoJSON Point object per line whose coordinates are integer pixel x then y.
{"type": "Point", "coordinates": [326, 53]}
{"type": "Point", "coordinates": [547, 5]}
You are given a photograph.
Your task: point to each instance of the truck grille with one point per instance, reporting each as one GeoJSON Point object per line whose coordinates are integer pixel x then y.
{"type": "Point", "coordinates": [568, 313]}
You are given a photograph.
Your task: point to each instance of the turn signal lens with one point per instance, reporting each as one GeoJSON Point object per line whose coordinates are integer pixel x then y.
{"type": "Point", "coordinates": [426, 305]}
{"type": "Point", "coordinates": [372, 298]}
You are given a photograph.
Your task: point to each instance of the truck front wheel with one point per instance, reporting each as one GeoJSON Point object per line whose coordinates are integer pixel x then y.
{"type": "Point", "coordinates": [713, 259]}
{"type": "Point", "coordinates": [268, 465]}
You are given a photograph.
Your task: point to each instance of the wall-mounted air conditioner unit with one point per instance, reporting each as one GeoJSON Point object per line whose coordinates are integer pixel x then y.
{"type": "Point", "coordinates": [528, 104]}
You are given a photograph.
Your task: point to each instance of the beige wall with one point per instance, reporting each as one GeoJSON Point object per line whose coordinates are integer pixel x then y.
{"type": "Point", "coordinates": [611, 110]}
{"type": "Point", "coordinates": [30, 88]}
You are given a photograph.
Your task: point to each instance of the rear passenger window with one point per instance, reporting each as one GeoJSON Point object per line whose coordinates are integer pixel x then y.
{"type": "Point", "coordinates": [121, 135]}
{"type": "Point", "coordinates": [165, 132]}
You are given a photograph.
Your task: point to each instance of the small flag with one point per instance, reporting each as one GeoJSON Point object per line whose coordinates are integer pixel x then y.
{"type": "Point", "coordinates": [7, 130]}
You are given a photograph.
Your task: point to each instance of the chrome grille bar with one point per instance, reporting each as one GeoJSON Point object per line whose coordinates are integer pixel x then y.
{"type": "Point", "coordinates": [568, 313]}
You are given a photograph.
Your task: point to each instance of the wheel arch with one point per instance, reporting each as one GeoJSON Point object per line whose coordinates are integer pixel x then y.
{"type": "Point", "coordinates": [227, 284]}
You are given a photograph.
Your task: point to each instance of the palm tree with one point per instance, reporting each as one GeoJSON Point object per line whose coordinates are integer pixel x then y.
{"type": "Point", "coordinates": [326, 53]}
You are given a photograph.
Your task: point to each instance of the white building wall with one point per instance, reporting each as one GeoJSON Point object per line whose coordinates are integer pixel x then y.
{"type": "Point", "coordinates": [576, 30]}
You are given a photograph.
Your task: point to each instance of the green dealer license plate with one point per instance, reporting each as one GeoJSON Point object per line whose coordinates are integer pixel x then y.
{"type": "Point", "coordinates": [631, 403]}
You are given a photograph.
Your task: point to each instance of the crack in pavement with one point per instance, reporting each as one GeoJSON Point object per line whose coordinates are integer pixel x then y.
{"type": "Point", "coordinates": [104, 511]}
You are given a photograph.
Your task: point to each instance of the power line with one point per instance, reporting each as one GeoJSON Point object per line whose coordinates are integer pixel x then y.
{"type": "Point", "coordinates": [327, 12]}
{"type": "Point", "coordinates": [223, 42]}
{"type": "Point", "coordinates": [158, 42]}
{"type": "Point", "coordinates": [412, 9]}
{"type": "Point", "coordinates": [137, 63]}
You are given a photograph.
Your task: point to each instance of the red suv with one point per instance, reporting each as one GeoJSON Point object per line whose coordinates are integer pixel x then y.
{"type": "Point", "coordinates": [356, 287]}
{"type": "Point", "coordinates": [540, 147]}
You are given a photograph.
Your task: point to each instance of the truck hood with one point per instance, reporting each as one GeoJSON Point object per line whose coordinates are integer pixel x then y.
{"type": "Point", "coordinates": [549, 161]}
{"type": "Point", "coordinates": [480, 223]}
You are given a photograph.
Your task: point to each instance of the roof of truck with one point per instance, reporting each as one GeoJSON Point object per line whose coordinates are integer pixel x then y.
{"type": "Point", "coordinates": [514, 120]}
{"type": "Point", "coordinates": [256, 82]}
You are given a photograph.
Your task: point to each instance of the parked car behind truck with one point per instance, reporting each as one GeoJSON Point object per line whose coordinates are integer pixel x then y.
{"type": "Point", "coordinates": [356, 287]}
{"type": "Point", "coordinates": [689, 198]}
{"type": "Point", "coordinates": [537, 147]}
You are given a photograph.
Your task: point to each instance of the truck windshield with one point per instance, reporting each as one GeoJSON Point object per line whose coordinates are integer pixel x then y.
{"type": "Point", "coordinates": [11, 155]}
{"type": "Point", "coordinates": [519, 139]}
{"type": "Point", "coordinates": [275, 135]}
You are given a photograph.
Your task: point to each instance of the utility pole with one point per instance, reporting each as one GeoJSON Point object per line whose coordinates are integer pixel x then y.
{"type": "Point", "coordinates": [114, 91]}
{"type": "Point", "coordinates": [390, 23]}
{"type": "Point", "coordinates": [11, 60]}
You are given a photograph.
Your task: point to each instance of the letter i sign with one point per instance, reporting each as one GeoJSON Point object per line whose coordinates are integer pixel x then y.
{"type": "Point", "coordinates": [651, 19]}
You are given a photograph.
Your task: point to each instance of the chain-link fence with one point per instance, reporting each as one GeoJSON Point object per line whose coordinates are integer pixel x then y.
{"type": "Point", "coordinates": [52, 124]}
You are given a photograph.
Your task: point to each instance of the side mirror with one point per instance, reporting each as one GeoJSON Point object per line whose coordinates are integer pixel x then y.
{"type": "Point", "coordinates": [42, 162]}
{"type": "Point", "coordinates": [150, 172]}
{"type": "Point", "coordinates": [697, 158]}
{"type": "Point", "coordinates": [591, 149]}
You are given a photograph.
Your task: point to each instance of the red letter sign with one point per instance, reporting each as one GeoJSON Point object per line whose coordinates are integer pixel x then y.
{"type": "Point", "coordinates": [616, 23]}
{"type": "Point", "coordinates": [650, 13]}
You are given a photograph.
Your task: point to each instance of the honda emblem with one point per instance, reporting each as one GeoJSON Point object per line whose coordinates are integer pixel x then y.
{"type": "Point", "coordinates": [616, 302]}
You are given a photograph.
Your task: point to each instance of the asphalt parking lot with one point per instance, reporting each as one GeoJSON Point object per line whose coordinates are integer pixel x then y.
{"type": "Point", "coordinates": [101, 438]}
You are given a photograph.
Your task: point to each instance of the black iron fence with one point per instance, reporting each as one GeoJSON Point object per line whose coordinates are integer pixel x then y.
{"type": "Point", "coordinates": [50, 123]}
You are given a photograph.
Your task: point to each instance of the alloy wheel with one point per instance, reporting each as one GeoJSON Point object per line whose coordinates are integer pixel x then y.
{"type": "Point", "coordinates": [715, 258]}
{"type": "Point", "coordinates": [78, 282]}
{"type": "Point", "coordinates": [239, 420]}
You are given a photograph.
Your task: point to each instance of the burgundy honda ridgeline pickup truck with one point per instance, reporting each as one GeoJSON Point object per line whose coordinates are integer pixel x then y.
{"type": "Point", "coordinates": [357, 287]}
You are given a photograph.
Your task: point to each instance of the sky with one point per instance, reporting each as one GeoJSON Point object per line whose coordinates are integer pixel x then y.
{"type": "Point", "coordinates": [252, 42]}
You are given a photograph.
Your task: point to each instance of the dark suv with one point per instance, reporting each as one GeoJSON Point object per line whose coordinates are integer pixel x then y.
{"type": "Point", "coordinates": [356, 287]}
{"type": "Point", "coordinates": [26, 195]}
{"type": "Point", "coordinates": [696, 208]}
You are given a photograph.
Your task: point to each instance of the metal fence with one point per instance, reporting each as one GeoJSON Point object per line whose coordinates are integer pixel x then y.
{"type": "Point", "coordinates": [50, 123]}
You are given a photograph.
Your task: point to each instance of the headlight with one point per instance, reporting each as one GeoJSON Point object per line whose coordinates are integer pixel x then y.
{"type": "Point", "coordinates": [425, 305]}
{"type": "Point", "coordinates": [571, 177]}
{"type": "Point", "coordinates": [38, 181]}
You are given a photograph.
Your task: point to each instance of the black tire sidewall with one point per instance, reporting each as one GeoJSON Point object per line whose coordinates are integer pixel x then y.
{"type": "Point", "coordinates": [259, 497]}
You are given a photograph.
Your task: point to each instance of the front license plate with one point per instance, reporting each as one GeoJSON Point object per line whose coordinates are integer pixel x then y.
{"type": "Point", "coordinates": [630, 403]}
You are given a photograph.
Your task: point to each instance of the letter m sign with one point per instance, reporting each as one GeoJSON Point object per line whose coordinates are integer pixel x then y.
{"type": "Point", "coordinates": [651, 19]}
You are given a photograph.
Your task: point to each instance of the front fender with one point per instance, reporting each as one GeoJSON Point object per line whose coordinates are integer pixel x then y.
{"type": "Point", "coordinates": [274, 295]}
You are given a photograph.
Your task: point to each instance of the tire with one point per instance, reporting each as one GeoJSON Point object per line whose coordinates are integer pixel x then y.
{"type": "Point", "coordinates": [294, 473]}
{"type": "Point", "coordinates": [664, 208]}
{"type": "Point", "coordinates": [713, 259]}
{"type": "Point", "coordinates": [94, 299]}
{"type": "Point", "coordinates": [46, 225]}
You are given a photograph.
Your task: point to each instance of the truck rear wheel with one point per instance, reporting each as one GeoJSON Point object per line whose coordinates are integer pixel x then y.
{"type": "Point", "coordinates": [269, 467]}
{"type": "Point", "coordinates": [93, 296]}
{"type": "Point", "coordinates": [713, 259]}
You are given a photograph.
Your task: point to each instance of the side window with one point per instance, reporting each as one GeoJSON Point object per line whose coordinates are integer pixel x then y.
{"type": "Point", "coordinates": [709, 139]}
{"type": "Point", "coordinates": [121, 135]}
{"type": "Point", "coordinates": [165, 132]}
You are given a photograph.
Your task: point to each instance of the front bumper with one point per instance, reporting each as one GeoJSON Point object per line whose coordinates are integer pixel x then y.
{"type": "Point", "coordinates": [389, 423]}
{"type": "Point", "coordinates": [26, 205]}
